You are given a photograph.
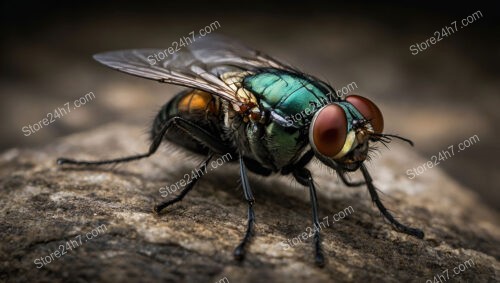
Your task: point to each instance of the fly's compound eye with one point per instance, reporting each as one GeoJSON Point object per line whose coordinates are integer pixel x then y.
{"type": "Point", "coordinates": [369, 110]}
{"type": "Point", "coordinates": [328, 130]}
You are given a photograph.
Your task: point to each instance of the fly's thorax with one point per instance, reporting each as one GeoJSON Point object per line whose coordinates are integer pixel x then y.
{"type": "Point", "coordinates": [270, 144]}
{"type": "Point", "coordinates": [293, 96]}
{"type": "Point", "coordinates": [290, 95]}
{"type": "Point", "coordinates": [287, 94]}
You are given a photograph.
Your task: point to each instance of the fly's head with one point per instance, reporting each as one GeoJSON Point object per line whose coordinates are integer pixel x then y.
{"type": "Point", "coordinates": [340, 132]}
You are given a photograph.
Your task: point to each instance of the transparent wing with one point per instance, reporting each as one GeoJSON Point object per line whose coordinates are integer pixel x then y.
{"type": "Point", "coordinates": [199, 65]}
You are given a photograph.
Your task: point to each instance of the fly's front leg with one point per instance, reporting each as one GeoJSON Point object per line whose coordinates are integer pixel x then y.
{"type": "Point", "coordinates": [303, 176]}
{"type": "Point", "coordinates": [348, 182]}
{"type": "Point", "coordinates": [375, 198]}
{"type": "Point", "coordinates": [332, 164]}
{"type": "Point", "coordinates": [239, 252]}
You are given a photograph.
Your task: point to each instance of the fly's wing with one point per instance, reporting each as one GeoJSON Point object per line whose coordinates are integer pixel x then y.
{"type": "Point", "coordinates": [199, 65]}
{"type": "Point", "coordinates": [218, 50]}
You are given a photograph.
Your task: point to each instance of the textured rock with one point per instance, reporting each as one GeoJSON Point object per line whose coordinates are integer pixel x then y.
{"type": "Point", "coordinates": [43, 207]}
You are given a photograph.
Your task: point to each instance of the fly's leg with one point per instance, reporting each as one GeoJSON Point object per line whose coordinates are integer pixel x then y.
{"type": "Point", "coordinates": [398, 226]}
{"type": "Point", "coordinates": [158, 208]}
{"type": "Point", "coordinates": [192, 129]}
{"type": "Point", "coordinates": [303, 176]}
{"type": "Point", "coordinates": [341, 173]}
{"type": "Point", "coordinates": [239, 251]}
{"type": "Point", "coordinates": [348, 182]}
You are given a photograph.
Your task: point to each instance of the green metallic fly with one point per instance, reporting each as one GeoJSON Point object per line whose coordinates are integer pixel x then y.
{"type": "Point", "coordinates": [238, 102]}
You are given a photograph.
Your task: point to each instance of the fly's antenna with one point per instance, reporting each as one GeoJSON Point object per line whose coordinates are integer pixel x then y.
{"type": "Point", "coordinates": [387, 138]}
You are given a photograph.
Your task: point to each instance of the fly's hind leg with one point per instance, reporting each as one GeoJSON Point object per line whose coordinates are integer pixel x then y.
{"type": "Point", "coordinates": [193, 130]}
{"type": "Point", "coordinates": [187, 126]}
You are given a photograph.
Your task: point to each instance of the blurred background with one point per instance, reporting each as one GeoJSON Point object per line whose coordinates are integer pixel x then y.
{"type": "Point", "coordinates": [438, 97]}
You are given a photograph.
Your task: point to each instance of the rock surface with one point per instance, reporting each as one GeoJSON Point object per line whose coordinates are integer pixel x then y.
{"type": "Point", "coordinates": [44, 207]}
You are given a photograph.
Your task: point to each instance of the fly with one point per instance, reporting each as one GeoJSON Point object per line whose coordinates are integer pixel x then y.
{"type": "Point", "coordinates": [240, 102]}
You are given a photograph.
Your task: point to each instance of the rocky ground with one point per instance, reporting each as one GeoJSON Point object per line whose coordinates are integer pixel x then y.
{"type": "Point", "coordinates": [43, 207]}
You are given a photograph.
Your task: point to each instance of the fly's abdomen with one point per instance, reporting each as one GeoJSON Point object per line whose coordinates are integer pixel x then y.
{"type": "Point", "coordinates": [197, 106]}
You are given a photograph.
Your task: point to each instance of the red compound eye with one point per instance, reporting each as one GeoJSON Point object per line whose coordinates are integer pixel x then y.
{"type": "Point", "coordinates": [369, 110]}
{"type": "Point", "coordinates": [329, 130]}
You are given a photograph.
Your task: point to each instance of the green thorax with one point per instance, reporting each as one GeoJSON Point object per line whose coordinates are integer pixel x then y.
{"type": "Point", "coordinates": [295, 98]}
{"type": "Point", "coordinates": [287, 93]}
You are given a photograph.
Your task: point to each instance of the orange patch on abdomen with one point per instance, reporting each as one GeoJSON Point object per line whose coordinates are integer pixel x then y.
{"type": "Point", "coordinates": [197, 101]}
